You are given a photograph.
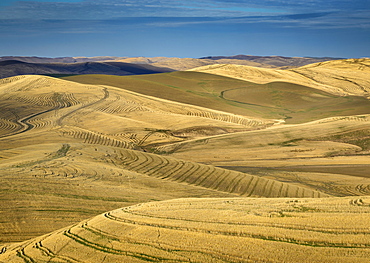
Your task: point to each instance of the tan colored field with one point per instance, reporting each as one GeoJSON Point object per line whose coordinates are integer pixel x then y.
{"type": "Point", "coordinates": [198, 177]}
{"type": "Point", "coordinates": [340, 77]}
{"type": "Point", "coordinates": [212, 230]}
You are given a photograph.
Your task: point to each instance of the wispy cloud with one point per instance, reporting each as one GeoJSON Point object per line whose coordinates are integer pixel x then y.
{"type": "Point", "coordinates": [235, 20]}
{"type": "Point", "coordinates": [318, 20]}
{"type": "Point", "coordinates": [110, 9]}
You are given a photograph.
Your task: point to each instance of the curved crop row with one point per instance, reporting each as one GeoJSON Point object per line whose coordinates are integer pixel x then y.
{"type": "Point", "coordinates": [364, 118]}
{"type": "Point", "coordinates": [169, 107]}
{"type": "Point", "coordinates": [11, 79]}
{"type": "Point", "coordinates": [39, 123]}
{"type": "Point", "coordinates": [118, 105]}
{"type": "Point", "coordinates": [94, 138]}
{"type": "Point", "coordinates": [55, 100]}
{"type": "Point", "coordinates": [7, 126]}
{"type": "Point", "coordinates": [226, 118]}
{"type": "Point", "coordinates": [211, 177]}
{"type": "Point", "coordinates": [204, 113]}
{"type": "Point", "coordinates": [197, 229]}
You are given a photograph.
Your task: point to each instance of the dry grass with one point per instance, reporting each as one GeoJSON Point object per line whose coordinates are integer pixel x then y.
{"type": "Point", "coordinates": [340, 77]}
{"type": "Point", "coordinates": [295, 103]}
{"type": "Point", "coordinates": [49, 186]}
{"type": "Point", "coordinates": [70, 151]}
{"type": "Point", "coordinates": [212, 230]}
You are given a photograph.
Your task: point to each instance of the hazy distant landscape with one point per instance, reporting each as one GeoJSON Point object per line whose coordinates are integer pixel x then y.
{"type": "Point", "coordinates": [184, 131]}
{"type": "Point", "coordinates": [218, 159]}
{"type": "Point", "coordinates": [121, 66]}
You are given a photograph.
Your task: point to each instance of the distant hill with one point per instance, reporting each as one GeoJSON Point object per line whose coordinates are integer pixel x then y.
{"type": "Point", "coordinates": [9, 68]}
{"type": "Point", "coordinates": [211, 230]}
{"type": "Point", "coordinates": [182, 64]}
{"type": "Point", "coordinates": [57, 60]}
{"type": "Point", "coordinates": [173, 63]}
{"type": "Point", "coordinates": [341, 77]}
{"type": "Point", "coordinates": [277, 61]}
{"type": "Point", "coordinates": [224, 163]}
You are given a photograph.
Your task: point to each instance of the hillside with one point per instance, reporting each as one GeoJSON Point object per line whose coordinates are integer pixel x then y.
{"type": "Point", "coordinates": [174, 63]}
{"type": "Point", "coordinates": [182, 64]}
{"type": "Point", "coordinates": [173, 166]}
{"type": "Point", "coordinates": [35, 59]}
{"type": "Point", "coordinates": [9, 68]}
{"type": "Point", "coordinates": [211, 230]}
{"type": "Point", "coordinates": [274, 61]}
{"type": "Point", "coordinates": [340, 77]}
{"type": "Point", "coordinates": [59, 137]}
{"type": "Point", "coordinates": [291, 102]}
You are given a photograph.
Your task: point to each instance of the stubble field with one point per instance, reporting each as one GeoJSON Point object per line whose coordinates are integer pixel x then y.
{"type": "Point", "coordinates": [194, 166]}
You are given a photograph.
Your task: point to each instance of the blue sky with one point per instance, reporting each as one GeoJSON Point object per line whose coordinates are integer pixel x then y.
{"type": "Point", "coordinates": [174, 28]}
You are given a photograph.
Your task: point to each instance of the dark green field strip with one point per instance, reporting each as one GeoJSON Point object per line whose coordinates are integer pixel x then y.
{"type": "Point", "coordinates": [295, 103]}
{"type": "Point", "coordinates": [200, 89]}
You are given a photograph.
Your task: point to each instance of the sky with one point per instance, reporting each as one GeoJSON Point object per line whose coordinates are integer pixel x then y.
{"type": "Point", "coordinates": [180, 28]}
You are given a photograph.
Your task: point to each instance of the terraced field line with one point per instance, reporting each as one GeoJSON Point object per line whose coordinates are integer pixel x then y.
{"type": "Point", "coordinates": [162, 246]}
{"type": "Point", "coordinates": [109, 250]}
{"type": "Point", "coordinates": [337, 231]}
{"type": "Point", "coordinates": [283, 239]}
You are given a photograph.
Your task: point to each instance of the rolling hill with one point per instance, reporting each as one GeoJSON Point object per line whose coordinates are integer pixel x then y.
{"type": "Point", "coordinates": [9, 68]}
{"type": "Point", "coordinates": [275, 61]}
{"type": "Point", "coordinates": [221, 164]}
{"type": "Point", "coordinates": [178, 63]}
{"type": "Point", "coordinates": [340, 77]}
{"type": "Point", "coordinates": [263, 93]}
{"type": "Point", "coordinates": [211, 230]}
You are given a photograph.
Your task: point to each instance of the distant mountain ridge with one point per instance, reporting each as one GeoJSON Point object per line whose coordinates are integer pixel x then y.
{"type": "Point", "coordinates": [10, 68]}
{"type": "Point", "coordinates": [42, 65]}
{"type": "Point", "coordinates": [57, 60]}
{"type": "Point", "coordinates": [277, 61]}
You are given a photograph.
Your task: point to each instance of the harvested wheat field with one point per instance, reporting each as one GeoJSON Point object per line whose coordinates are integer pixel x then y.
{"type": "Point", "coordinates": [224, 163]}
{"type": "Point", "coordinates": [212, 230]}
{"type": "Point", "coordinates": [341, 77]}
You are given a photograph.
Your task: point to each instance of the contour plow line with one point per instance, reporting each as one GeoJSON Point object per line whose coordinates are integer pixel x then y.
{"type": "Point", "coordinates": [208, 176]}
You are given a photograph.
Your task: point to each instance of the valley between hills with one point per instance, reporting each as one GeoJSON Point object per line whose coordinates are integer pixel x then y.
{"type": "Point", "coordinates": [218, 163]}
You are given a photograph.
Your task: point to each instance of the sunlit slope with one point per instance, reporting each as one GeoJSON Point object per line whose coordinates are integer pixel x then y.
{"type": "Point", "coordinates": [332, 154]}
{"type": "Point", "coordinates": [212, 230]}
{"type": "Point", "coordinates": [63, 110]}
{"type": "Point", "coordinates": [295, 103]}
{"type": "Point", "coordinates": [322, 131]}
{"type": "Point", "coordinates": [188, 63]}
{"type": "Point", "coordinates": [47, 186]}
{"type": "Point", "coordinates": [339, 77]}
{"type": "Point", "coordinates": [66, 154]}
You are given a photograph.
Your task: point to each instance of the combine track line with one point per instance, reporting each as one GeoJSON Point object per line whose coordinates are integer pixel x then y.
{"type": "Point", "coordinates": [29, 126]}
{"type": "Point", "coordinates": [24, 122]}
{"type": "Point", "coordinates": [217, 231]}
{"type": "Point", "coordinates": [106, 95]}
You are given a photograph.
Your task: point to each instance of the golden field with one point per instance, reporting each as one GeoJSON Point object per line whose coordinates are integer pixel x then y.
{"type": "Point", "coordinates": [212, 230]}
{"type": "Point", "coordinates": [224, 163]}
